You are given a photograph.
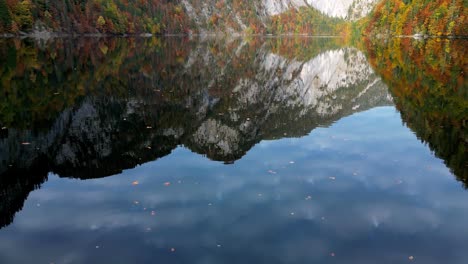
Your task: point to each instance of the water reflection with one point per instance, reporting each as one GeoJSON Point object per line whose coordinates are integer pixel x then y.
{"type": "Point", "coordinates": [427, 80]}
{"type": "Point", "coordinates": [112, 104]}
{"type": "Point", "coordinates": [108, 105]}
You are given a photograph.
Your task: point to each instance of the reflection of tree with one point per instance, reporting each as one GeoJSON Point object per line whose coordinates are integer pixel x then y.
{"type": "Point", "coordinates": [430, 90]}
{"type": "Point", "coordinates": [15, 186]}
{"type": "Point", "coordinates": [109, 105]}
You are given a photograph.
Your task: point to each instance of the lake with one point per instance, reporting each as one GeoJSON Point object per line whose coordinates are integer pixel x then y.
{"type": "Point", "coordinates": [233, 150]}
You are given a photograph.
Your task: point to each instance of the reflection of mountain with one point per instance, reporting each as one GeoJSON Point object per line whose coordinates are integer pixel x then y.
{"type": "Point", "coordinates": [432, 94]}
{"type": "Point", "coordinates": [216, 103]}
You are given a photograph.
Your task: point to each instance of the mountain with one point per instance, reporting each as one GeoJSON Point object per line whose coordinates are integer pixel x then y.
{"type": "Point", "coordinates": [164, 16]}
{"type": "Point", "coordinates": [345, 9]}
{"type": "Point", "coordinates": [317, 17]}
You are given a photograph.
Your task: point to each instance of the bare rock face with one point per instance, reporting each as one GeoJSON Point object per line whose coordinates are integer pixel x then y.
{"type": "Point", "coordinates": [202, 12]}
{"type": "Point", "coordinates": [346, 9]}
{"type": "Point", "coordinates": [360, 9]}
{"type": "Point", "coordinates": [331, 8]}
{"type": "Point", "coordinates": [213, 134]}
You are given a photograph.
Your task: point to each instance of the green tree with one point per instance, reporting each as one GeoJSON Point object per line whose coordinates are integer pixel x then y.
{"type": "Point", "coordinates": [5, 18]}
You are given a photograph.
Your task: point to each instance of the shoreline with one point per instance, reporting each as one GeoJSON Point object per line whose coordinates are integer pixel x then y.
{"type": "Point", "coordinates": [51, 35]}
{"type": "Point", "coordinates": [46, 35]}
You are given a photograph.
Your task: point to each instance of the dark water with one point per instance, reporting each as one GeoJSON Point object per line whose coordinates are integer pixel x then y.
{"type": "Point", "coordinates": [280, 150]}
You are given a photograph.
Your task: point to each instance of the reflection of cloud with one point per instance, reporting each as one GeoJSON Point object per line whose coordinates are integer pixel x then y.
{"type": "Point", "coordinates": [364, 213]}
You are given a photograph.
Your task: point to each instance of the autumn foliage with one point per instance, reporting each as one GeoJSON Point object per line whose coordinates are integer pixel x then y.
{"type": "Point", "coordinates": [308, 21]}
{"type": "Point", "coordinates": [425, 17]}
{"type": "Point", "coordinates": [93, 16]}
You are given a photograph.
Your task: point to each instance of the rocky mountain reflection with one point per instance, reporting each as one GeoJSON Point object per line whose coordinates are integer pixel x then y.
{"type": "Point", "coordinates": [94, 107]}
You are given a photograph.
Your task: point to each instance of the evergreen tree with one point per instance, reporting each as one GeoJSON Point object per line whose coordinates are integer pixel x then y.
{"type": "Point", "coordinates": [5, 18]}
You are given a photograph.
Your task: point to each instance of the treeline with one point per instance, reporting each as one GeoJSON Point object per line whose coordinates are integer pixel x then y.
{"type": "Point", "coordinates": [410, 17]}
{"type": "Point", "coordinates": [93, 16]}
{"type": "Point", "coordinates": [306, 20]}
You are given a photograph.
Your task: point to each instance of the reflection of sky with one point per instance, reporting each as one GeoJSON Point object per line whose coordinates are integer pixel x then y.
{"type": "Point", "coordinates": [377, 195]}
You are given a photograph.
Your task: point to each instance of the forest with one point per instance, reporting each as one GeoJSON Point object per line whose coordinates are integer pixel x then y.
{"type": "Point", "coordinates": [93, 16]}
{"type": "Point", "coordinates": [399, 17]}
{"type": "Point", "coordinates": [422, 17]}
{"type": "Point", "coordinates": [307, 20]}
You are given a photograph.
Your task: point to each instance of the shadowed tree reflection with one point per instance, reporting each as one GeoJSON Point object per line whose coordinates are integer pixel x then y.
{"type": "Point", "coordinates": [427, 80]}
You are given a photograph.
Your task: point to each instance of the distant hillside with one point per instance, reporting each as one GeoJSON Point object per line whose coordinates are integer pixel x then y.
{"type": "Point", "coordinates": [318, 17]}
{"type": "Point", "coordinates": [93, 16]}
{"type": "Point", "coordinates": [179, 16]}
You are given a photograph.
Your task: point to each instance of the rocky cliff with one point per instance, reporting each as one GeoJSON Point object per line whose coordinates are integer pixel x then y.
{"type": "Point", "coordinates": [346, 9]}
{"type": "Point", "coordinates": [234, 16]}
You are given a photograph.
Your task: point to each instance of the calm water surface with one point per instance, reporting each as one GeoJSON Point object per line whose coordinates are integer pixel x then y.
{"type": "Point", "coordinates": [277, 150]}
